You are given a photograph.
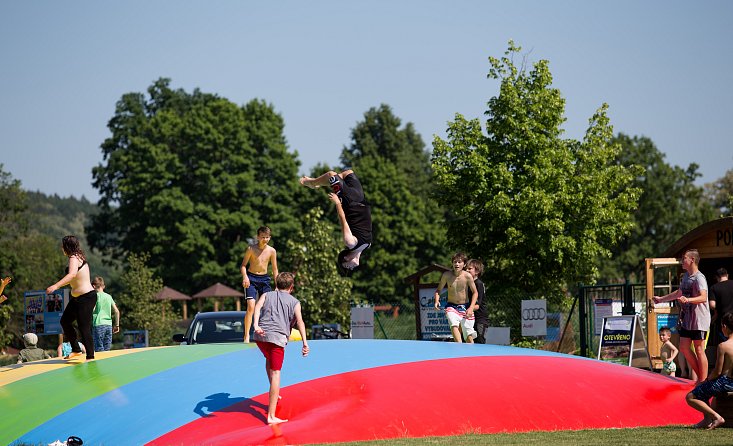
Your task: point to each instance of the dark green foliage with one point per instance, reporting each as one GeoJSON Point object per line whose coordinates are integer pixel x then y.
{"type": "Point", "coordinates": [138, 307]}
{"type": "Point", "coordinates": [670, 205]}
{"type": "Point", "coordinates": [394, 169]}
{"type": "Point", "coordinates": [33, 260]}
{"type": "Point", "coordinates": [188, 177]}
{"type": "Point", "coordinates": [539, 209]}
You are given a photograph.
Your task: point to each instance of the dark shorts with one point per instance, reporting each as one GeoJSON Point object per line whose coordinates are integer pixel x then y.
{"type": "Point", "coordinates": [708, 389]}
{"type": "Point", "coordinates": [274, 354]}
{"type": "Point", "coordinates": [259, 284]}
{"type": "Point", "coordinates": [695, 335]}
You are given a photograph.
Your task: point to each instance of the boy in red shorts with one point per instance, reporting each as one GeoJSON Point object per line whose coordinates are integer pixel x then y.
{"type": "Point", "coordinates": [275, 312]}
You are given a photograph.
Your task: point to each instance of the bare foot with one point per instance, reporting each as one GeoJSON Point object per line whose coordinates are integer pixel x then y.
{"type": "Point", "coordinates": [246, 340]}
{"type": "Point", "coordinates": [716, 423]}
{"type": "Point", "coordinates": [275, 420]}
{"type": "Point", "coordinates": [702, 424]}
{"type": "Point", "coordinates": [73, 355]}
{"type": "Point", "coordinates": [307, 182]}
{"type": "Point", "coordinates": [3, 298]}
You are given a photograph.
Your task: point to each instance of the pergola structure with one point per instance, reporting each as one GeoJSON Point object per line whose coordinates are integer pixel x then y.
{"type": "Point", "coordinates": [218, 291]}
{"type": "Point", "coordinates": [168, 293]}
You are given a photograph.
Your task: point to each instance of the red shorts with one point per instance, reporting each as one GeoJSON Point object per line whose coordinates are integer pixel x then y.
{"type": "Point", "coordinates": [274, 354]}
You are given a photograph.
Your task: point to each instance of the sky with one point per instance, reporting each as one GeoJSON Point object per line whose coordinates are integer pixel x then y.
{"type": "Point", "coordinates": [664, 68]}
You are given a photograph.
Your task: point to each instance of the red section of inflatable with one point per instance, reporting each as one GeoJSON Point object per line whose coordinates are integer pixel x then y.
{"type": "Point", "coordinates": [451, 397]}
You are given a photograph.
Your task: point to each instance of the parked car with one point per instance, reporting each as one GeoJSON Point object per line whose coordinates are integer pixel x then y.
{"type": "Point", "coordinates": [214, 327]}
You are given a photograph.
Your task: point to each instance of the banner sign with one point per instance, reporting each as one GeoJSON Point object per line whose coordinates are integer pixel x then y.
{"type": "Point", "coordinates": [362, 322]}
{"type": "Point", "coordinates": [534, 317]}
{"type": "Point", "coordinates": [667, 320]}
{"type": "Point", "coordinates": [43, 311]}
{"type": "Point", "coordinates": [603, 308]}
{"type": "Point", "coordinates": [433, 323]}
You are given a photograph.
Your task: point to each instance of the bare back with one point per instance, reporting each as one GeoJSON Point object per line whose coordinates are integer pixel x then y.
{"type": "Point", "coordinates": [725, 350]}
{"type": "Point", "coordinates": [81, 283]}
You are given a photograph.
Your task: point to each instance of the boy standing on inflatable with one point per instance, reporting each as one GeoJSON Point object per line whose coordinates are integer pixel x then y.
{"type": "Point", "coordinates": [354, 214]}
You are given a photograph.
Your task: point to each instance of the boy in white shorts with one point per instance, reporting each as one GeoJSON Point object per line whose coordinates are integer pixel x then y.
{"type": "Point", "coordinates": [459, 311]}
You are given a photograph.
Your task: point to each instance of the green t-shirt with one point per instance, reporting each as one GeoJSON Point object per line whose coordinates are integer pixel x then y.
{"type": "Point", "coordinates": [103, 310]}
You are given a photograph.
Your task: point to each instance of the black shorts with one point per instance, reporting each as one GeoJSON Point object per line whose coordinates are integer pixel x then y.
{"type": "Point", "coordinates": [695, 335]}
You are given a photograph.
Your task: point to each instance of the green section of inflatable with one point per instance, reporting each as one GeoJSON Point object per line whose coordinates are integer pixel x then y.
{"type": "Point", "coordinates": [32, 401]}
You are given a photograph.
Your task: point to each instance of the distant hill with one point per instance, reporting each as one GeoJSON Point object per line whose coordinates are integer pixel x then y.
{"type": "Point", "coordinates": [57, 217]}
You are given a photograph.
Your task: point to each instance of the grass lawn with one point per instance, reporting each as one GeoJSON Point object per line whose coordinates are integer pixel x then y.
{"type": "Point", "coordinates": [670, 435]}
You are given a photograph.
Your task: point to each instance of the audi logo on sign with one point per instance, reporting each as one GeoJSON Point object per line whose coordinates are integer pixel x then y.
{"type": "Point", "coordinates": [533, 314]}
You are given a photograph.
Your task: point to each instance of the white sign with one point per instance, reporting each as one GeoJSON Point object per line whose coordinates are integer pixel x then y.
{"type": "Point", "coordinates": [433, 323]}
{"type": "Point", "coordinates": [534, 317]}
{"type": "Point", "coordinates": [362, 322]}
{"type": "Point", "coordinates": [497, 335]}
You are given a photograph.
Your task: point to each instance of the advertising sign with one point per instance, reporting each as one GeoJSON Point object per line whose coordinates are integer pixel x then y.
{"type": "Point", "coordinates": [362, 322]}
{"type": "Point", "coordinates": [433, 324]}
{"type": "Point", "coordinates": [135, 338]}
{"type": "Point", "coordinates": [603, 308]}
{"type": "Point", "coordinates": [43, 311]}
{"type": "Point", "coordinates": [617, 334]}
{"type": "Point", "coordinates": [534, 317]}
{"type": "Point", "coordinates": [667, 320]}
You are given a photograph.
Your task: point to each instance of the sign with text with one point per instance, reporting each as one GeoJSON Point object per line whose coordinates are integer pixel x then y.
{"type": "Point", "coordinates": [362, 322]}
{"type": "Point", "coordinates": [433, 323]}
{"type": "Point", "coordinates": [602, 308]}
{"type": "Point", "coordinates": [667, 320]}
{"type": "Point", "coordinates": [623, 342]}
{"type": "Point", "coordinates": [43, 311]}
{"type": "Point", "coordinates": [534, 317]}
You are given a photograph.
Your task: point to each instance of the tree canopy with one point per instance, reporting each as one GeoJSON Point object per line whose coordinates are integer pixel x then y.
{"type": "Point", "coordinates": [539, 209]}
{"type": "Point", "coordinates": [394, 168]}
{"type": "Point", "coordinates": [670, 205]}
{"type": "Point", "coordinates": [188, 177]}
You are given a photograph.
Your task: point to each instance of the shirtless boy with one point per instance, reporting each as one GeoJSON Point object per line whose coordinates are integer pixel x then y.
{"type": "Point", "coordinates": [667, 352]}
{"type": "Point", "coordinates": [255, 279]}
{"type": "Point", "coordinates": [458, 311]}
{"type": "Point", "coordinates": [718, 383]}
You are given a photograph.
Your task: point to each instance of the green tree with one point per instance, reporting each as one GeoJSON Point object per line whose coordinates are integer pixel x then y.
{"type": "Point", "coordinates": [670, 205]}
{"type": "Point", "coordinates": [394, 168]}
{"type": "Point", "coordinates": [33, 260]}
{"type": "Point", "coordinates": [140, 309]}
{"type": "Point", "coordinates": [324, 295]}
{"type": "Point", "coordinates": [189, 178]}
{"type": "Point", "coordinates": [539, 209]}
{"type": "Point", "coordinates": [720, 194]}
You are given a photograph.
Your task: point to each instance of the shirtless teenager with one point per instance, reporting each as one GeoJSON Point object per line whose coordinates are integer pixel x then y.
{"type": "Point", "coordinates": [255, 280]}
{"type": "Point", "coordinates": [459, 311]}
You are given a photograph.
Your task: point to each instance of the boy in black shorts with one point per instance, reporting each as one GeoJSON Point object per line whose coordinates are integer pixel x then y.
{"type": "Point", "coordinates": [354, 213]}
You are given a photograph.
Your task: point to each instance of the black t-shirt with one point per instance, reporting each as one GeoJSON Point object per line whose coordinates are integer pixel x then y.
{"type": "Point", "coordinates": [722, 294]}
{"type": "Point", "coordinates": [482, 314]}
{"type": "Point", "coordinates": [356, 207]}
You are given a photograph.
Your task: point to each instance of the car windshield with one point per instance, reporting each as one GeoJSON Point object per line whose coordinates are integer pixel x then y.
{"type": "Point", "coordinates": [223, 329]}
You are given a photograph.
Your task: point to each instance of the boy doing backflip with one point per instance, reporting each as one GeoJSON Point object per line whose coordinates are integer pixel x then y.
{"type": "Point", "coordinates": [459, 310]}
{"type": "Point", "coordinates": [354, 212]}
{"type": "Point", "coordinates": [718, 383]}
{"type": "Point", "coordinates": [255, 279]}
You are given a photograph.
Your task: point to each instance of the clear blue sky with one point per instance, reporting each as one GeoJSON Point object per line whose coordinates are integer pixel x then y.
{"type": "Point", "coordinates": [664, 67]}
